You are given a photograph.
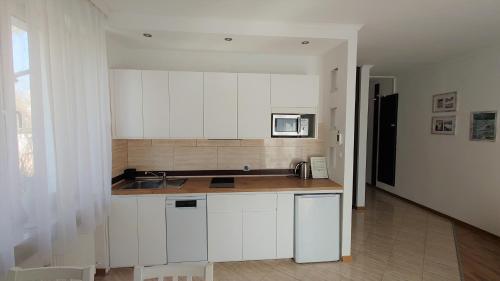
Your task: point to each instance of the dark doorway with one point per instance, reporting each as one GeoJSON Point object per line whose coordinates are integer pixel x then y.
{"type": "Point", "coordinates": [376, 91]}
{"type": "Point", "coordinates": [388, 128]}
{"type": "Point", "coordinates": [356, 139]}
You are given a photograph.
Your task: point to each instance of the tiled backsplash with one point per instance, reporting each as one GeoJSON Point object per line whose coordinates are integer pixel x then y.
{"type": "Point", "coordinates": [119, 156]}
{"type": "Point", "coordinates": [212, 154]}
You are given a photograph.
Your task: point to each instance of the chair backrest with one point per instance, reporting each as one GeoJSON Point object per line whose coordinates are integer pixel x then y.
{"type": "Point", "coordinates": [52, 273]}
{"type": "Point", "coordinates": [188, 270]}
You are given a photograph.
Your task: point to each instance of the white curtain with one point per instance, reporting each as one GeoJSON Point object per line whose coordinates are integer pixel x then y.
{"type": "Point", "coordinates": [67, 189]}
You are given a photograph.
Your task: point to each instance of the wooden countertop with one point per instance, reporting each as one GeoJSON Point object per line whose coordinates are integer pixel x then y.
{"type": "Point", "coordinates": [242, 184]}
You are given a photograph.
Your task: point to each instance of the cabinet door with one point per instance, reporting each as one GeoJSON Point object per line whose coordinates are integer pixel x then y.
{"type": "Point", "coordinates": [284, 226]}
{"type": "Point", "coordinates": [254, 106]}
{"type": "Point", "coordinates": [126, 93]}
{"type": "Point", "coordinates": [152, 231]}
{"type": "Point", "coordinates": [259, 235]}
{"type": "Point", "coordinates": [220, 105]}
{"type": "Point", "coordinates": [123, 244]}
{"type": "Point", "coordinates": [224, 236]}
{"type": "Point", "coordinates": [155, 104]}
{"type": "Point", "coordinates": [186, 104]}
{"type": "Point", "coordinates": [292, 90]}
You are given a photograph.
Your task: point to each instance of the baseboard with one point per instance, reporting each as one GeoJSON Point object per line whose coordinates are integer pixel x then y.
{"type": "Point", "coordinates": [454, 220]}
{"type": "Point", "coordinates": [360, 208]}
{"type": "Point", "coordinates": [346, 258]}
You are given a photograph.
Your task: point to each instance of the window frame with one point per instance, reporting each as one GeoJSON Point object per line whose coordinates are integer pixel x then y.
{"type": "Point", "coordinates": [18, 22]}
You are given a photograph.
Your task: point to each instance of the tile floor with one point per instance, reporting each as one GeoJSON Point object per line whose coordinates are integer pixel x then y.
{"type": "Point", "coordinates": [391, 240]}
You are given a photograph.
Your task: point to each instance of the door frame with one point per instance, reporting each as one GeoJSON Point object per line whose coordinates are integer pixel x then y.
{"type": "Point", "coordinates": [376, 102]}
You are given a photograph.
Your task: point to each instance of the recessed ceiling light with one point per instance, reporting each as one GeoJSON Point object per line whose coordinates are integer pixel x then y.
{"type": "Point", "coordinates": [148, 35]}
{"type": "Point", "coordinates": [305, 42]}
{"type": "Point", "coordinates": [228, 39]}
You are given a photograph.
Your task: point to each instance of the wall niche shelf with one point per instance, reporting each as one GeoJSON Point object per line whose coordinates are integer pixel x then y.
{"type": "Point", "coordinates": [334, 80]}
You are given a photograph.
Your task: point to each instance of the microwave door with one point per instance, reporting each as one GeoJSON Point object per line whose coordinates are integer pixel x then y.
{"type": "Point", "coordinates": [286, 125]}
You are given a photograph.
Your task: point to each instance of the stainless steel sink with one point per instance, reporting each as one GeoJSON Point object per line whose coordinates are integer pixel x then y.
{"type": "Point", "coordinates": [148, 183]}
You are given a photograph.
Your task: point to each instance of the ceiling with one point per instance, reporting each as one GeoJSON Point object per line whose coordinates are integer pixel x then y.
{"type": "Point", "coordinates": [397, 34]}
{"type": "Point", "coordinates": [216, 42]}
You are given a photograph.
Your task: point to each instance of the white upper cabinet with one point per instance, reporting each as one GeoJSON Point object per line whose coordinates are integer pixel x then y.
{"type": "Point", "coordinates": [186, 110]}
{"type": "Point", "coordinates": [294, 90]}
{"type": "Point", "coordinates": [221, 105]}
{"type": "Point", "coordinates": [155, 104]}
{"type": "Point", "coordinates": [212, 105]}
{"type": "Point", "coordinates": [254, 106]}
{"type": "Point", "coordinates": [126, 93]}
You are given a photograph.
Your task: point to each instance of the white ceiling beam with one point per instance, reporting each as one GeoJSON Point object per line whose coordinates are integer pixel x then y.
{"type": "Point", "coordinates": [148, 23]}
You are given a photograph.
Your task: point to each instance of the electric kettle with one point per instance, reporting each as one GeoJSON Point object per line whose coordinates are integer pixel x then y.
{"type": "Point", "coordinates": [303, 170]}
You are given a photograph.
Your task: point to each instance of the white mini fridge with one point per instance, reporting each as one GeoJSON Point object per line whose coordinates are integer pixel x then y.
{"type": "Point", "coordinates": [317, 228]}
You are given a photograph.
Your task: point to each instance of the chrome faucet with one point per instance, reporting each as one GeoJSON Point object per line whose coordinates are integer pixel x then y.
{"type": "Point", "coordinates": [162, 175]}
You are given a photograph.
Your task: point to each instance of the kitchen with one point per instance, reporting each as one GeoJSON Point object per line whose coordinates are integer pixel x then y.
{"type": "Point", "coordinates": [233, 140]}
{"type": "Point", "coordinates": [205, 154]}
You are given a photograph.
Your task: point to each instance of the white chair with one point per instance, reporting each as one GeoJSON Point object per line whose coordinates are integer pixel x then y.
{"type": "Point", "coordinates": [189, 270]}
{"type": "Point", "coordinates": [51, 273]}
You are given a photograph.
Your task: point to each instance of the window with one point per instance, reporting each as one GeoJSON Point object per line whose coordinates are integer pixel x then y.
{"type": "Point", "coordinates": [23, 96]}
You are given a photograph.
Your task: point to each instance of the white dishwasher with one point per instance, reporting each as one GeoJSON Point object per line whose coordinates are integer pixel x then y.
{"type": "Point", "coordinates": [186, 228]}
{"type": "Point", "coordinates": [317, 228]}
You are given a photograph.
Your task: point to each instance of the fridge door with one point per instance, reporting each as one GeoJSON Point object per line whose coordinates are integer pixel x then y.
{"type": "Point", "coordinates": [317, 228]}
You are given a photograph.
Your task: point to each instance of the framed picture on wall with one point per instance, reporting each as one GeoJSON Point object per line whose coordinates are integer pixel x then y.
{"type": "Point", "coordinates": [446, 102]}
{"type": "Point", "coordinates": [483, 125]}
{"type": "Point", "coordinates": [443, 125]}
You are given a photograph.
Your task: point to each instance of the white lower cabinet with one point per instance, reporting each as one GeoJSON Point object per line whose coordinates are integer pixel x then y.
{"type": "Point", "coordinates": [259, 235]}
{"type": "Point", "coordinates": [285, 225]}
{"type": "Point", "coordinates": [151, 230]}
{"type": "Point", "coordinates": [123, 244]}
{"type": "Point", "coordinates": [224, 236]}
{"type": "Point", "coordinates": [137, 231]}
{"type": "Point", "coordinates": [241, 227]}
{"type": "Point", "coordinates": [253, 226]}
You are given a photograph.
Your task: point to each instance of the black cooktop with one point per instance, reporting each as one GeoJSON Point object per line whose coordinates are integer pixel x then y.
{"type": "Point", "coordinates": [222, 182]}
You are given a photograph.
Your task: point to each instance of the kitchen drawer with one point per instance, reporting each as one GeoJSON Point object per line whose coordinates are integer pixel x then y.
{"type": "Point", "coordinates": [224, 203]}
{"type": "Point", "coordinates": [238, 203]}
{"type": "Point", "coordinates": [259, 202]}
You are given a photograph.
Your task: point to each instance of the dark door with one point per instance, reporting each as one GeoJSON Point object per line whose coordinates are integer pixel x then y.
{"type": "Point", "coordinates": [356, 139]}
{"type": "Point", "coordinates": [388, 129]}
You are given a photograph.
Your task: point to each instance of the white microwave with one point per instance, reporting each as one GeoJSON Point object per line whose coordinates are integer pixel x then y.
{"type": "Point", "coordinates": [292, 125]}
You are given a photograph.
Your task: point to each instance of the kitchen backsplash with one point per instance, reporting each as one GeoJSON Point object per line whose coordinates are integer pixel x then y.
{"type": "Point", "coordinates": [193, 154]}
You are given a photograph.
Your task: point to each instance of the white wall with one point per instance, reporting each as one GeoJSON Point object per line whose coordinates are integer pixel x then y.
{"type": "Point", "coordinates": [120, 56]}
{"type": "Point", "coordinates": [336, 58]}
{"type": "Point", "coordinates": [386, 88]}
{"type": "Point", "coordinates": [364, 78]}
{"type": "Point", "coordinates": [343, 99]}
{"type": "Point", "coordinates": [451, 174]}
{"type": "Point", "coordinates": [79, 252]}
